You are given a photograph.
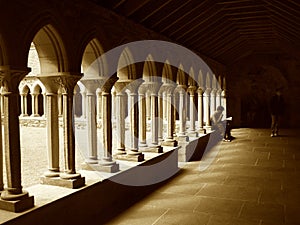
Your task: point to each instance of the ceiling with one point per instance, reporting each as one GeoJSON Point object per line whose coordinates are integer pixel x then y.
{"type": "Point", "coordinates": [224, 30]}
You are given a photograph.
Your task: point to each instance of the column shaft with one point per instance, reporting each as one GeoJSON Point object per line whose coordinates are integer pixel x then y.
{"type": "Point", "coordinates": [106, 126]}
{"type": "Point", "coordinates": [200, 110]}
{"type": "Point", "coordinates": [192, 113]}
{"type": "Point", "coordinates": [142, 119]}
{"type": "Point", "coordinates": [120, 123]}
{"type": "Point", "coordinates": [91, 127]}
{"type": "Point", "coordinates": [134, 122]}
{"type": "Point", "coordinates": [154, 119]}
{"type": "Point", "coordinates": [52, 134]}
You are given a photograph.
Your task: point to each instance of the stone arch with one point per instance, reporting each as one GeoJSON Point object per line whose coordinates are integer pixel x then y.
{"type": "Point", "coordinates": [150, 69]}
{"type": "Point", "coordinates": [51, 50]}
{"type": "Point", "coordinates": [126, 66]}
{"type": "Point", "coordinates": [38, 92]}
{"type": "Point", "coordinates": [167, 73]}
{"type": "Point", "coordinates": [25, 91]}
{"type": "Point", "coordinates": [181, 77]}
{"type": "Point", "coordinates": [93, 62]}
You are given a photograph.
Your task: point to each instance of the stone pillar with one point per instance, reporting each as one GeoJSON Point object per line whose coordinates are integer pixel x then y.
{"type": "Point", "coordinates": [60, 103]}
{"type": "Point", "coordinates": [200, 110]}
{"type": "Point", "coordinates": [1, 152]}
{"type": "Point", "coordinates": [99, 103]}
{"type": "Point", "coordinates": [84, 104]}
{"type": "Point", "coordinates": [70, 175]}
{"type": "Point", "coordinates": [192, 131]}
{"type": "Point", "coordinates": [165, 106]}
{"type": "Point", "coordinates": [113, 102]}
{"type": "Point", "coordinates": [142, 118]}
{"type": "Point", "coordinates": [23, 96]}
{"type": "Point", "coordinates": [213, 106]}
{"type": "Point", "coordinates": [154, 88]}
{"type": "Point", "coordinates": [89, 108]}
{"type": "Point", "coordinates": [35, 105]}
{"type": "Point", "coordinates": [106, 163]}
{"type": "Point", "coordinates": [133, 153]}
{"type": "Point", "coordinates": [45, 104]}
{"type": "Point", "coordinates": [120, 118]}
{"type": "Point", "coordinates": [13, 198]}
{"type": "Point", "coordinates": [50, 83]}
{"type": "Point", "coordinates": [160, 116]}
{"type": "Point", "coordinates": [182, 114]}
{"type": "Point", "coordinates": [170, 141]}
{"type": "Point", "coordinates": [207, 107]}
{"type": "Point", "coordinates": [148, 106]}
{"type": "Point", "coordinates": [224, 102]}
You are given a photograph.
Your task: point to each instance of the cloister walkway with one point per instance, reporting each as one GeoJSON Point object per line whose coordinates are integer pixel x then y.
{"type": "Point", "coordinates": [253, 180]}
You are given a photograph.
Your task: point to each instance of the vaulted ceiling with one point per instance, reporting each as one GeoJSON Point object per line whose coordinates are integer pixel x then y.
{"type": "Point", "coordinates": [224, 30]}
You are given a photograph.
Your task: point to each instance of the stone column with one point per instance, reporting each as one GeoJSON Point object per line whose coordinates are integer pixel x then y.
{"type": "Point", "coordinates": [13, 198]}
{"type": "Point", "coordinates": [165, 106]}
{"type": "Point", "coordinates": [120, 118]}
{"type": "Point", "coordinates": [45, 104]}
{"type": "Point", "coordinates": [154, 88]}
{"type": "Point", "coordinates": [182, 114]}
{"type": "Point", "coordinates": [84, 104]}
{"type": "Point", "coordinates": [170, 141]}
{"type": "Point", "coordinates": [70, 175]}
{"type": "Point", "coordinates": [35, 105]}
{"type": "Point", "coordinates": [1, 151]}
{"type": "Point", "coordinates": [142, 118]}
{"type": "Point", "coordinates": [60, 103]}
{"type": "Point", "coordinates": [207, 107]}
{"type": "Point", "coordinates": [90, 112]}
{"type": "Point", "coordinates": [160, 116]}
{"type": "Point", "coordinates": [99, 104]}
{"type": "Point", "coordinates": [192, 131]}
{"type": "Point", "coordinates": [50, 83]}
{"type": "Point", "coordinates": [200, 110]}
{"type": "Point", "coordinates": [148, 106]}
{"type": "Point", "coordinates": [213, 106]}
{"type": "Point", "coordinates": [23, 96]}
{"type": "Point", "coordinates": [113, 107]}
{"type": "Point", "coordinates": [133, 150]}
{"type": "Point", "coordinates": [224, 101]}
{"type": "Point", "coordinates": [106, 163]}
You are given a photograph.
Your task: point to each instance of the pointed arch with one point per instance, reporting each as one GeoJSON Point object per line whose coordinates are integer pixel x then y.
{"type": "Point", "coordinates": [51, 50]}
{"type": "Point", "coordinates": [93, 62]}
{"type": "Point", "coordinates": [126, 67]}
{"type": "Point", "coordinates": [181, 78]}
{"type": "Point", "coordinates": [167, 73]}
{"type": "Point", "coordinates": [149, 69]}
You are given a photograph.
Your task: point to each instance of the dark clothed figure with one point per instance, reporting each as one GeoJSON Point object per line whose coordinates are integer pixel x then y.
{"type": "Point", "coordinates": [277, 110]}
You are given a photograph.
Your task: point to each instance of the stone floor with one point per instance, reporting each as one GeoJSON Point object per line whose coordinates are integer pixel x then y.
{"type": "Point", "coordinates": [253, 180]}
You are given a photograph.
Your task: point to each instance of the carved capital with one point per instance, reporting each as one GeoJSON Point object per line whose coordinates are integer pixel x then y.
{"type": "Point", "coordinates": [67, 83]}
{"type": "Point", "coordinates": [10, 78]}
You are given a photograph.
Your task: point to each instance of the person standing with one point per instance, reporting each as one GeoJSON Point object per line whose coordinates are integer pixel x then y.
{"type": "Point", "coordinates": [277, 109]}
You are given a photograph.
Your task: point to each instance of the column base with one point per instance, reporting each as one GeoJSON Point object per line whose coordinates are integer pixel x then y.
{"type": "Point", "coordinates": [143, 145]}
{"type": "Point", "coordinates": [154, 148]}
{"type": "Point", "coordinates": [182, 138]}
{"type": "Point", "coordinates": [201, 131]}
{"type": "Point", "coordinates": [24, 203]}
{"type": "Point", "coordinates": [108, 167]}
{"type": "Point", "coordinates": [88, 165]}
{"type": "Point", "coordinates": [193, 134]}
{"type": "Point", "coordinates": [131, 157]}
{"type": "Point", "coordinates": [68, 183]}
{"type": "Point", "coordinates": [51, 173]}
{"type": "Point", "coordinates": [170, 142]}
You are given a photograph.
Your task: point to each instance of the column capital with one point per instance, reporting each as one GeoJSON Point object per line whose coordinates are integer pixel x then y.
{"type": "Point", "coordinates": [153, 86]}
{"type": "Point", "coordinates": [200, 90]}
{"type": "Point", "coordinates": [169, 88]}
{"type": "Point", "coordinates": [134, 85]}
{"type": "Point", "coordinates": [107, 84]}
{"type": "Point", "coordinates": [192, 89]}
{"type": "Point", "coordinates": [68, 82]}
{"type": "Point", "coordinates": [11, 77]}
{"type": "Point", "coordinates": [91, 84]}
{"type": "Point", "coordinates": [181, 88]}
